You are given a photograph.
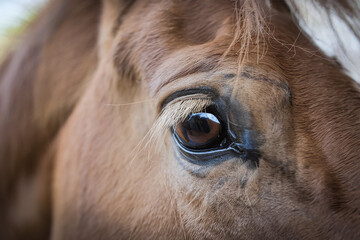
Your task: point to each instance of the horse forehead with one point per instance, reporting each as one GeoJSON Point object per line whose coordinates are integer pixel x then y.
{"type": "Point", "coordinates": [170, 35]}
{"type": "Point", "coordinates": [173, 39]}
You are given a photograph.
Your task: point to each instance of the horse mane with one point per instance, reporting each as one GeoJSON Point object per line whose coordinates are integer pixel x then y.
{"type": "Point", "coordinates": [347, 10]}
{"type": "Point", "coordinates": [252, 19]}
{"type": "Point", "coordinates": [334, 26]}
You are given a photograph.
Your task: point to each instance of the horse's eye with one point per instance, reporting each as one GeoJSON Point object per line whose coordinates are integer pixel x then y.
{"type": "Point", "coordinates": [199, 130]}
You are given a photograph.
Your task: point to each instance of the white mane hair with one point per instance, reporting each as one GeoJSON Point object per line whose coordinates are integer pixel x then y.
{"type": "Point", "coordinates": [334, 26]}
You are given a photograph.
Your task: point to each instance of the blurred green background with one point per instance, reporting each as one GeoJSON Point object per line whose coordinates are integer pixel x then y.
{"type": "Point", "coordinates": [14, 17]}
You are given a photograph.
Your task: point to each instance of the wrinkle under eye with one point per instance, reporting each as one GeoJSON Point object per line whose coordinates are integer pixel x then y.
{"type": "Point", "coordinates": [199, 130]}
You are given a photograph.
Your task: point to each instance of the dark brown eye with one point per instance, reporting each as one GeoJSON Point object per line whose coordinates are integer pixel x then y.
{"type": "Point", "coordinates": [199, 130]}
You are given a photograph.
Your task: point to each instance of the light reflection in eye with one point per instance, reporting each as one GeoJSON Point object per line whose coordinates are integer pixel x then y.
{"type": "Point", "coordinates": [199, 130]}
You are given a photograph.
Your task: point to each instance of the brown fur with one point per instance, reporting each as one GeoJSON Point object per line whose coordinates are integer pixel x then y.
{"type": "Point", "coordinates": [85, 140]}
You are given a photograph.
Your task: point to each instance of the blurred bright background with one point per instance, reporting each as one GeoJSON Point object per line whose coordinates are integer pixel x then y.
{"type": "Point", "coordinates": [14, 16]}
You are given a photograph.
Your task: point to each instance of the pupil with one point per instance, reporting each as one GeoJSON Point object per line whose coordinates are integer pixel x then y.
{"type": "Point", "coordinates": [198, 124]}
{"type": "Point", "coordinates": [200, 130]}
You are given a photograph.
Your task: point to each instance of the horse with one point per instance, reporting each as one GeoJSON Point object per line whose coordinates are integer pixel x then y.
{"type": "Point", "coordinates": [206, 119]}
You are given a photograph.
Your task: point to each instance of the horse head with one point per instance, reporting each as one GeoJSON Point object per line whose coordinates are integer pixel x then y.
{"type": "Point", "coordinates": [177, 119]}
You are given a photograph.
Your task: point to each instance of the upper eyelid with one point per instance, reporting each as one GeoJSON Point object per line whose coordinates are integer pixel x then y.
{"type": "Point", "coordinates": [187, 98]}
{"type": "Point", "coordinates": [178, 109]}
{"type": "Point", "coordinates": [179, 104]}
{"type": "Point", "coordinates": [201, 92]}
{"type": "Point", "coordinates": [195, 102]}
